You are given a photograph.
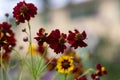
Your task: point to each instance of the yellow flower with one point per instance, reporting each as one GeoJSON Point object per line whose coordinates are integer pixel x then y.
{"type": "Point", "coordinates": [65, 64]}
{"type": "Point", "coordinates": [32, 50]}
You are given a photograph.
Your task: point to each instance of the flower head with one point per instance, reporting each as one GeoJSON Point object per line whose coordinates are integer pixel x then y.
{"type": "Point", "coordinates": [99, 72]}
{"type": "Point", "coordinates": [24, 11]}
{"type": "Point", "coordinates": [7, 38]}
{"type": "Point", "coordinates": [57, 41]}
{"type": "Point", "coordinates": [76, 39]}
{"type": "Point", "coordinates": [65, 64]}
{"type": "Point", "coordinates": [41, 37]}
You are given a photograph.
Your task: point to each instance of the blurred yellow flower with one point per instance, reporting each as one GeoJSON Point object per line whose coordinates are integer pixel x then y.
{"type": "Point", "coordinates": [65, 64]}
{"type": "Point", "coordinates": [32, 50]}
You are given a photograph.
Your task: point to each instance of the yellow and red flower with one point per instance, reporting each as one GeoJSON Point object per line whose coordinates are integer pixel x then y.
{"type": "Point", "coordinates": [75, 39]}
{"type": "Point", "coordinates": [24, 11]}
{"type": "Point", "coordinates": [65, 64]}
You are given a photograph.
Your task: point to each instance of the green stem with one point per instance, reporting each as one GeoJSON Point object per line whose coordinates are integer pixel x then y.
{"type": "Point", "coordinates": [66, 76]}
{"type": "Point", "coordinates": [30, 46]}
{"type": "Point", "coordinates": [20, 70]}
{"type": "Point", "coordinates": [86, 72]}
{"type": "Point", "coordinates": [3, 68]}
{"type": "Point", "coordinates": [47, 64]}
{"type": "Point", "coordinates": [39, 65]}
{"type": "Point", "coordinates": [22, 62]}
{"type": "Point", "coordinates": [5, 74]}
{"type": "Point", "coordinates": [1, 53]}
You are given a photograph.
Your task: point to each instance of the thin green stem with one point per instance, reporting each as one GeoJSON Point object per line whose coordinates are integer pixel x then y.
{"type": "Point", "coordinates": [1, 63]}
{"type": "Point", "coordinates": [3, 69]}
{"type": "Point", "coordinates": [20, 70]}
{"type": "Point", "coordinates": [66, 76]}
{"type": "Point", "coordinates": [47, 64]}
{"type": "Point", "coordinates": [22, 61]}
{"type": "Point", "coordinates": [30, 46]}
{"type": "Point", "coordinates": [86, 72]}
{"type": "Point", "coordinates": [39, 65]}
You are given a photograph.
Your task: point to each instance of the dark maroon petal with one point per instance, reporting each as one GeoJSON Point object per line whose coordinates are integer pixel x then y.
{"type": "Point", "coordinates": [93, 76]}
{"type": "Point", "coordinates": [105, 72]}
{"type": "Point", "coordinates": [82, 44]}
{"type": "Point", "coordinates": [84, 35]}
{"type": "Point", "coordinates": [76, 31]}
{"type": "Point", "coordinates": [98, 66]}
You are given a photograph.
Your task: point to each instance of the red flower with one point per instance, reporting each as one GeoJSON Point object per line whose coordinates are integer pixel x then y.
{"type": "Point", "coordinates": [76, 39]}
{"type": "Point", "coordinates": [95, 76]}
{"type": "Point", "coordinates": [41, 37]}
{"type": "Point", "coordinates": [57, 41]}
{"type": "Point", "coordinates": [7, 39]}
{"type": "Point", "coordinates": [99, 72]}
{"type": "Point", "coordinates": [82, 78]}
{"type": "Point", "coordinates": [24, 11]}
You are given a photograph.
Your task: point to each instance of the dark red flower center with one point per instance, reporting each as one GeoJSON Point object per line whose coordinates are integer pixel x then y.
{"type": "Point", "coordinates": [23, 10]}
{"type": "Point", "coordinates": [61, 40]}
{"type": "Point", "coordinates": [78, 37]}
{"type": "Point", "coordinates": [65, 64]}
{"type": "Point", "coordinates": [43, 38]}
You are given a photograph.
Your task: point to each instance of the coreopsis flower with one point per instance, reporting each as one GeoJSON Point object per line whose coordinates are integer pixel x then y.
{"type": "Point", "coordinates": [24, 11]}
{"type": "Point", "coordinates": [7, 38]}
{"type": "Point", "coordinates": [65, 64]}
{"type": "Point", "coordinates": [78, 67]}
{"type": "Point", "coordinates": [101, 69]}
{"type": "Point", "coordinates": [57, 40]}
{"type": "Point", "coordinates": [75, 39]}
{"type": "Point", "coordinates": [41, 37]}
{"type": "Point", "coordinates": [99, 72]}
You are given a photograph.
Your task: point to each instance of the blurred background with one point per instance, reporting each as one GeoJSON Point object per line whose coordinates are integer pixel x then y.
{"type": "Point", "coordinates": [99, 18]}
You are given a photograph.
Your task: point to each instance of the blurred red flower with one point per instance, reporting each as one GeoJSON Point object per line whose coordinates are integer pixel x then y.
{"type": "Point", "coordinates": [57, 41]}
{"type": "Point", "coordinates": [24, 11]}
{"type": "Point", "coordinates": [99, 72]}
{"type": "Point", "coordinates": [76, 39]}
{"type": "Point", "coordinates": [41, 37]}
{"type": "Point", "coordinates": [7, 38]}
